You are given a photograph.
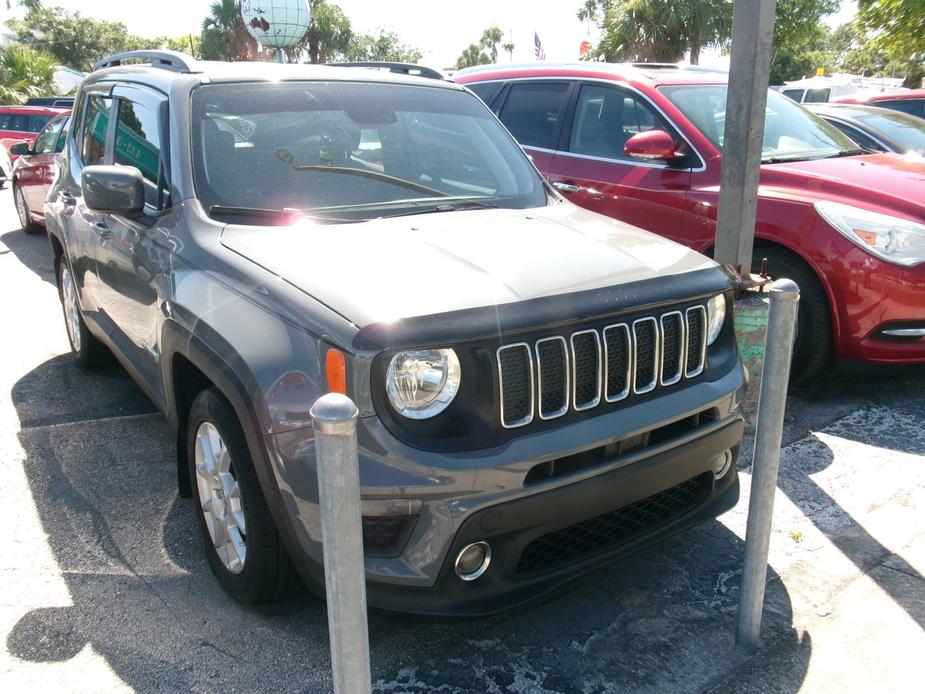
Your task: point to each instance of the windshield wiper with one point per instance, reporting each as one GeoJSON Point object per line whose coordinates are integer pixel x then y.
{"type": "Point", "coordinates": [851, 153]}
{"type": "Point", "coordinates": [275, 213]}
{"type": "Point", "coordinates": [375, 175]}
{"type": "Point", "coordinates": [454, 206]}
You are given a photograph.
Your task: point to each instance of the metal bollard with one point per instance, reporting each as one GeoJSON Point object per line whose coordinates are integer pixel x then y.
{"type": "Point", "coordinates": [775, 376]}
{"type": "Point", "coordinates": [334, 420]}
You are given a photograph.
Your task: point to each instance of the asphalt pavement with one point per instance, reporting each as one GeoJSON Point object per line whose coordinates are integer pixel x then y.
{"type": "Point", "coordinates": [105, 586]}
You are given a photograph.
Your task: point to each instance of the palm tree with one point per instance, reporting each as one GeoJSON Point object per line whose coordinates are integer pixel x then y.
{"type": "Point", "coordinates": [491, 37]}
{"type": "Point", "coordinates": [224, 36]}
{"type": "Point", "coordinates": [658, 30]}
{"type": "Point", "coordinates": [25, 73]}
{"type": "Point", "coordinates": [329, 32]}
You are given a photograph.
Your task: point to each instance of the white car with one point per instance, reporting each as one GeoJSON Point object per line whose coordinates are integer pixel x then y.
{"type": "Point", "coordinates": [6, 166]}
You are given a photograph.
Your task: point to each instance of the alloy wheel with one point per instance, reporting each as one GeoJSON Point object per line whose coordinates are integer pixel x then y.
{"type": "Point", "coordinates": [21, 209]}
{"type": "Point", "coordinates": [220, 498]}
{"type": "Point", "coordinates": [71, 308]}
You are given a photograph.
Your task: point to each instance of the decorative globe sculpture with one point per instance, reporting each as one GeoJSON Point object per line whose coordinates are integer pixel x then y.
{"type": "Point", "coordinates": [276, 23]}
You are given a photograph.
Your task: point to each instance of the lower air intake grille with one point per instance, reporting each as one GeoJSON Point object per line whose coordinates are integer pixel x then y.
{"type": "Point", "coordinates": [606, 532]}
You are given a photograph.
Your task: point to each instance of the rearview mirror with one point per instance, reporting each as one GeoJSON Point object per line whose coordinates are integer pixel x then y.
{"type": "Point", "coordinates": [20, 148]}
{"type": "Point", "coordinates": [652, 145]}
{"type": "Point", "coordinates": [114, 189]}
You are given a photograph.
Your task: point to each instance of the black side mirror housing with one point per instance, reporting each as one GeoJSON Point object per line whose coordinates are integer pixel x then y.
{"type": "Point", "coordinates": [113, 189]}
{"type": "Point", "coordinates": [21, 148]}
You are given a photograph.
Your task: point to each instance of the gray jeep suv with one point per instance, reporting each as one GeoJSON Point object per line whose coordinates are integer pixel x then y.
{"type": "Point", "coordinates": [541, 389]}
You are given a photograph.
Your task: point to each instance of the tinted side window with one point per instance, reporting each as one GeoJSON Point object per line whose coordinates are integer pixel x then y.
{"type": "Point", "coordinates": [45, 142]}
{"type": "Point", "coordinates": [36, 123]}
{"type": "Point", "coordinates": [858, 136]}
{"type": "Point", "coordinates": [816, 96]}
{"type": "Point", "coordinates": [795, 94]}
{"type": "Point", "coordinates": [486, 91]}
{"type": "Point", "coordinates": [93, 133]}
{"type": "Point", "coordinates": [14, 121]}
{"type": "Point", "coordinates": [914, 106]}
{"type": "Point", "coordinates": [532, 112]}
{"type": "Point", "coordinates": [138, 144]}
{"type": "Point", "coordinates": [605, 118]}
{"type": "Point", "coordinates": [62, 136]}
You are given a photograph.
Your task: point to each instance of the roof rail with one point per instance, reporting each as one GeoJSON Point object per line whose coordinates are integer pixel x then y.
{"type": "Point", "coordinates": [166, 60]}
{"type": "Point", "coordinates": [400, 68]}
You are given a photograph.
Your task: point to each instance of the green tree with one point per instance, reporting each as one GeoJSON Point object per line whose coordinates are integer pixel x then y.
{"type": "Point", "coordinates": [75, 40]}
{"type": "Point", "coordinates": [471, 56]}
{"type": "Point", "coordinates": [657, 30]}
{"type": "Point", "coordinates": [800, 38]}
{"type": "Point", "coordinates": [491, 37]}
{"type": "Point", "coordinates": [24, 73]}
{"type": "Point", "coordinates": [329, 33]}
{"type": "Point", "coordinates": [900, 25]}
{"type": "Point", "coordinates": [224, 36]}
{"type": "Point", "coordinates": [186, 44]}
{"type": "Point", "coordinates": [386, 46]}
{"type": "Point", "coordinates": [509, 49]}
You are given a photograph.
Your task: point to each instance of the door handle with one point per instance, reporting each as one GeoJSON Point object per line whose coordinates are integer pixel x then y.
{"type": "Point", "coordinates": [101, 229]}
{"type": "Point", "coordinates": [564, 187]}
{"type": "Point", "coordinates": [66, 198]}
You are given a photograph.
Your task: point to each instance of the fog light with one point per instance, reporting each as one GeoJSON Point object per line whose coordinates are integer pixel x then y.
{"type": "Point", "coordinates": [473, 560]}
{"type": "Point", "coordinates": [721, 464]}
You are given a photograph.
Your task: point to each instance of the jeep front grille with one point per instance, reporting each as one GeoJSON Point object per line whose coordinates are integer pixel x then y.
{"type": "Point", "coordinates": [579, 371]}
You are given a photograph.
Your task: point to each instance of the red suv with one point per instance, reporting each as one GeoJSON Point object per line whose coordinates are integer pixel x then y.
{"type": "Point", "coordinates": [22, 123]}
{"type": "Point", "coordinates": [910, 101]}
{"type": "Point", "coordinates": [643, 144]}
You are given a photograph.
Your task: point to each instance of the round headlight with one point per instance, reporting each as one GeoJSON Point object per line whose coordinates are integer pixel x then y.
{"type": "Point", "coordinates": [422, 383]}
{"type": "Point", "coordinates": [716, 316]}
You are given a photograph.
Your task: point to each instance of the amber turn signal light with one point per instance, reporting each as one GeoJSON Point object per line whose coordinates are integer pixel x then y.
{"type": "Point", "coordinates": [335, 368]}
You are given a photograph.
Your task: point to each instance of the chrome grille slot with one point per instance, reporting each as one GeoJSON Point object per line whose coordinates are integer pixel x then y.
{"type": "Point", "coordinates": [515, 375]}
{"type": "Point", "coordinates": [673, 347]}
{"type": "Point", "coordinates": [586, 369]}
{"type": "Point", "coordinates": [645, 355]}
{"type": "Point", "coordinates": [617, 362]}
{"type": "Point", "coordinates": [696, 347]}
{"type": "Point", "coordinates": [552, 373]}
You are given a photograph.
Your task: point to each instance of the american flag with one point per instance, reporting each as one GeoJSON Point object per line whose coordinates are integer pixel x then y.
{"type": "Point", "coordinates": [538, 47]}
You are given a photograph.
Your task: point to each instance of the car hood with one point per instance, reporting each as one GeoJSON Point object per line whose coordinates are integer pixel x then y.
{"type": "Point", "coordinates": [892, 182]}
{"type": "Point", "coordinates": [419, 265]}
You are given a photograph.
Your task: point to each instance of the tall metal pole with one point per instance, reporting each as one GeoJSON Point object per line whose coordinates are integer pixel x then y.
{"type": "Point", "coordinates": [334, 420]}
{"type": "Point", "coordinates": [785, 298]}
{"type": "Point", "coordinates": [749, 72]}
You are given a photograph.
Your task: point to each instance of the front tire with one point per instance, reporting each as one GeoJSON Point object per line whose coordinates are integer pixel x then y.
{"type": "Point", "coordinates": [812, 349]}
{"type": "Point", "coordinates": [242, 545]}
{"type": "Point", "coordinates": [28, 225]}
{"type": "Point", "coordinates": [88, 351]}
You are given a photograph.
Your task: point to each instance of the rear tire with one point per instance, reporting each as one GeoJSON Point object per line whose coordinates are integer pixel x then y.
{"type": "Point", "coordinates": [29, 225]}
{"type": "Point", "coordinates": [242, 545]}
{"type": "Point", "coordinates": [812, 349]}
{"type": "Point", "coordinates": [89, 352]}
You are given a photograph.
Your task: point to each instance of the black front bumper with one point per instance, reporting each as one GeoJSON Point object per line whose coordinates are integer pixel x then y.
{"type": "Point", "coordinates": [540, 541]}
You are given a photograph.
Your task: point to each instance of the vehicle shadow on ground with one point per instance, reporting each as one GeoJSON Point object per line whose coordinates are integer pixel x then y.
{"type": "Point", "coordinates": [104, 483]}
{"type": "Point", "coordinates": [32, 250]}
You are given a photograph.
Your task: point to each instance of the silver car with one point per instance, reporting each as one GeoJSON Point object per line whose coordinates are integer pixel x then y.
{"type": "Point", "coordinates": [541, 389]}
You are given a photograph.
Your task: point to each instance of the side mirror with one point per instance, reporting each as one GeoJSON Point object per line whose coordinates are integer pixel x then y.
{"type": "Point", "coordinates": [114, 189]}
{"type": "Point", "coordinates": [652, 145]}
{"type": "Point", "coordinates": [20, 148]}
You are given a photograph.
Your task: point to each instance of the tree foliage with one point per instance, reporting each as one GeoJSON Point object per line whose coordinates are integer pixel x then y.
{"type": "Point", "coordinates": [386, 45]}
{"type": "Point", "coordinates": [657, 30]}
{"type": "Point", "coordinates": [24, 73]}
{"type": "Point", "coordinates": [75, 40]}
{"type": "Point", "coordinates": [224, 36]}
{"type": "Point", "coordinates": [472, 56]}
{"type": "Point", "coordinates": [329, 33]}
{"type": "Point", "coordinates": [900, 25]}
{"type": "Point", "coordinates": [491, 37]}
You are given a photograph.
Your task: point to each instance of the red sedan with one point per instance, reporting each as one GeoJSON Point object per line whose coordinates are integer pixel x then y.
{"type": "Point", "coordinates": [911, 101]}
{"type": "Point", "coordinates": [34, 171]}
{"type": "Point", "coordinates": [644, 145]}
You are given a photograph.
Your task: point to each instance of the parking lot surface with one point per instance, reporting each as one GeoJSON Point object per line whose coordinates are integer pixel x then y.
{"type": "Point", "coordinates": [105, 587]}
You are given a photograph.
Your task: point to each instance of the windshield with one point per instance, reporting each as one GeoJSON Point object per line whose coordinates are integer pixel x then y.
{"type": "Point", "coordinates": [906, 131]}
{"type": "Point", "coordinates": [791, 132]}
{"type": "Point", "coordinates": [350, 151]}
